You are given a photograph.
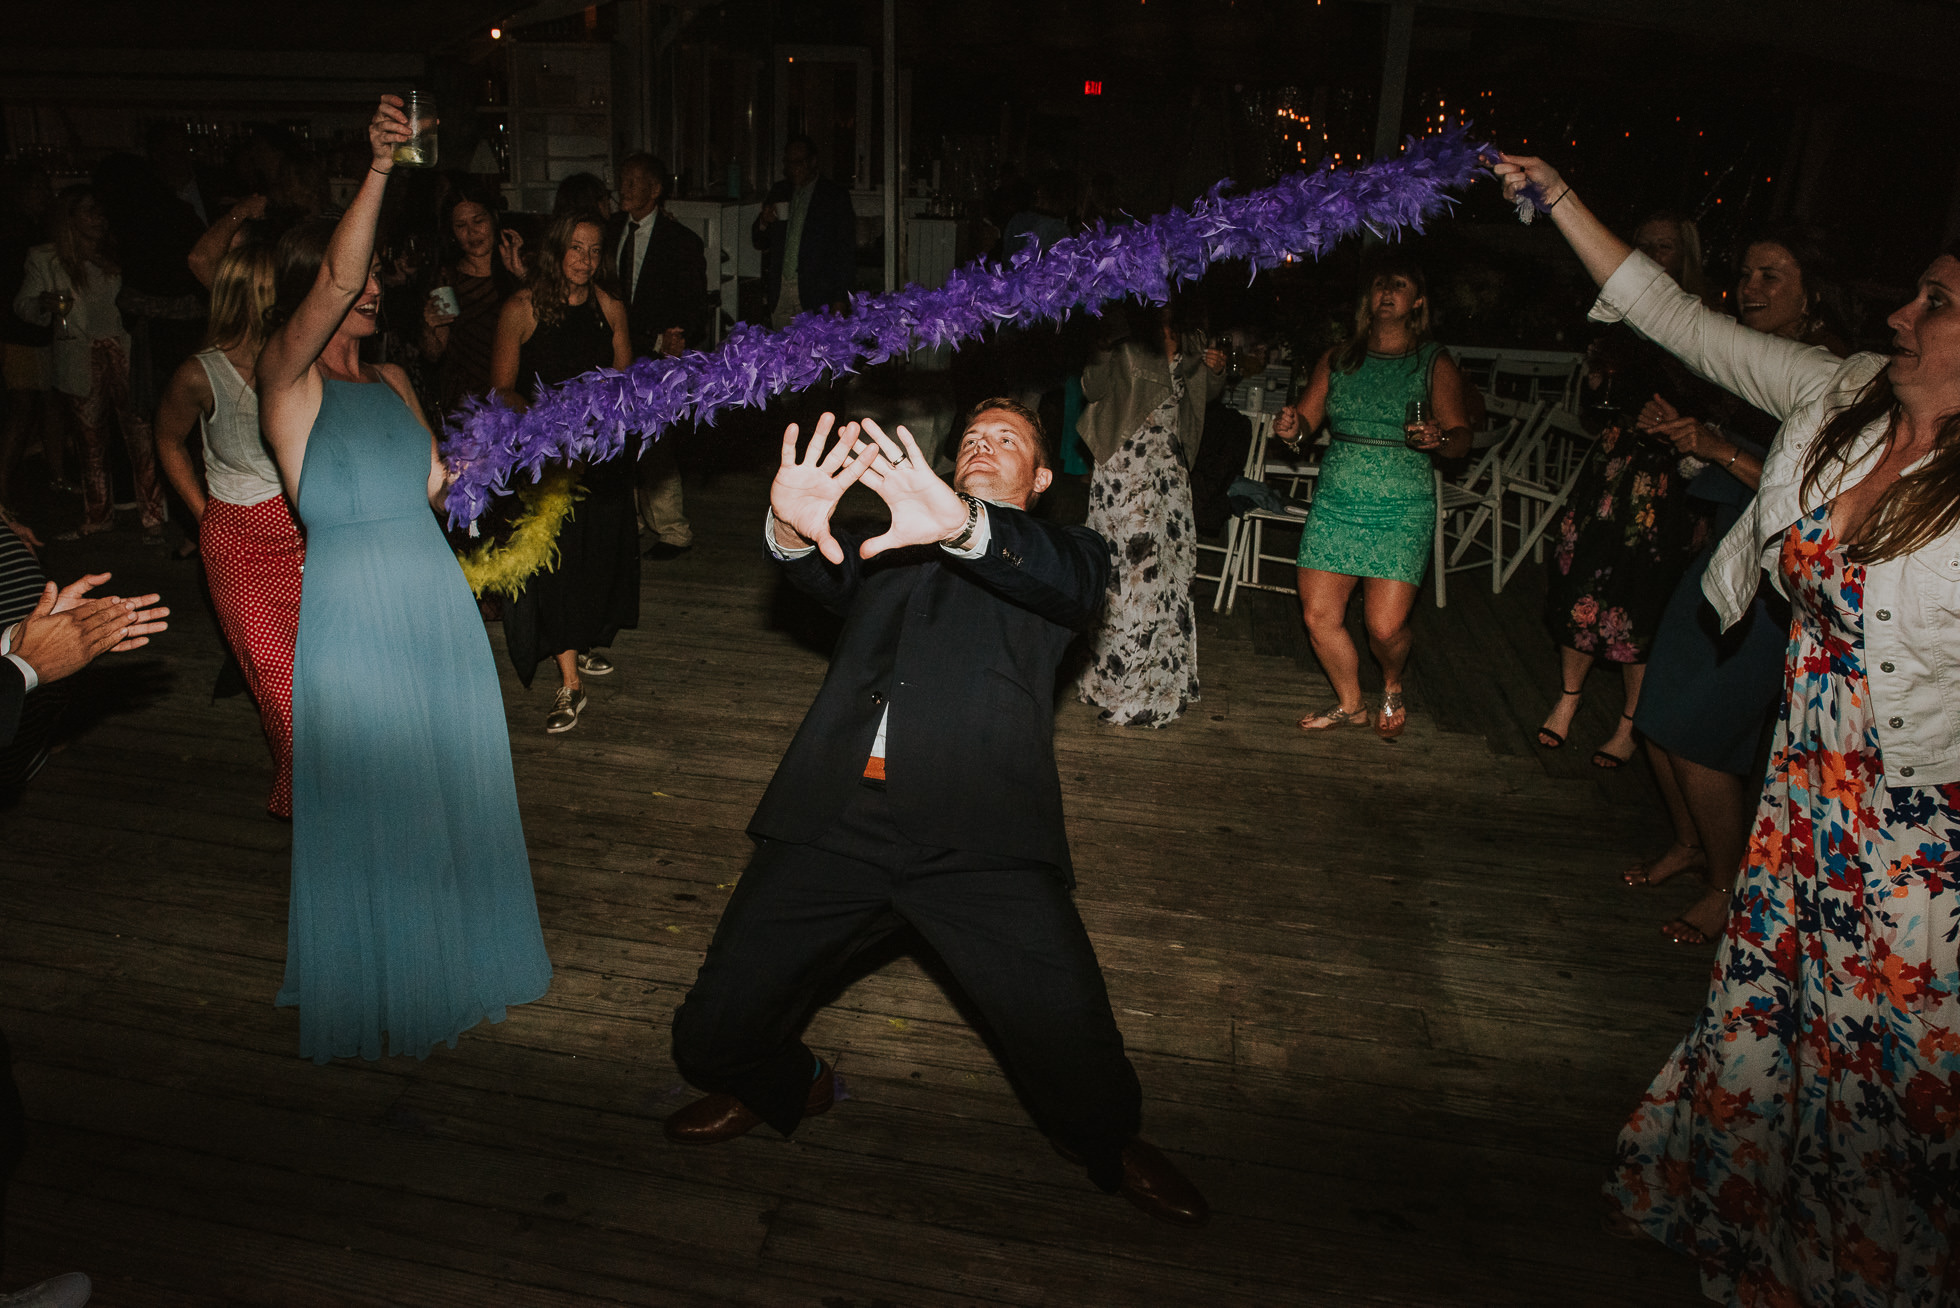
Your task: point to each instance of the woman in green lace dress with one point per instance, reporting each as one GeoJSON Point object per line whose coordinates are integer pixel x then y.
{"type": "Point", "coordinates": [1374, 509]}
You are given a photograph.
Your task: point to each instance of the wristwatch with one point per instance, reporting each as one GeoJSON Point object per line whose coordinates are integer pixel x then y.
{"type": "Point", "coordinates": [965, 536]}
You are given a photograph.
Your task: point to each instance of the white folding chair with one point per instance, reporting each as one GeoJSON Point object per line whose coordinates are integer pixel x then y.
{"type": "Point", "coordinates": [1539, 475]}
{"type": "Point", "coordinates": [1467, 504]}
{"type": "Point", "coordinates": [1474, 362]}
{"type": "Point", "coordinates": [1246, 553]}
{"type": "Point", "coordinates": [1260, 399]}
{"type": "Point", "coordinates": [1552, 375]}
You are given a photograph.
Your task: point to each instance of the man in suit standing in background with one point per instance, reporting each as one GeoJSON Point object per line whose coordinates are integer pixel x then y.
{"type": "Point", "coordinates": [921, 789]}
{"type": "Point", "coordinates": [807, 233]}
{"type": "Point", "coordinates": [663, 278]}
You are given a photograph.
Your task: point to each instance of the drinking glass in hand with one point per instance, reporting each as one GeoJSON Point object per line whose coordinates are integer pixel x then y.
{"type": "Point", "coordinates": [1417, 415]}
{"type": "Point", "coordinates": [63, 303]}
{"type": "Point", "coordinates": [1223, 344]}
{"type": "Point", "coordinates": [419, 150]}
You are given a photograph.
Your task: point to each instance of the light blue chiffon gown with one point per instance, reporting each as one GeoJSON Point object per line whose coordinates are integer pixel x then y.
{"type": "Point", "coordinates": [412, 917]}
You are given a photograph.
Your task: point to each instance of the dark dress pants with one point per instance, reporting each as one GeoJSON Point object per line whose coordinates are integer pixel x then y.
{"type": "Point", "coordinates": [13, 1135]}
{"type": "Point", "coordinates": [1007, 930]}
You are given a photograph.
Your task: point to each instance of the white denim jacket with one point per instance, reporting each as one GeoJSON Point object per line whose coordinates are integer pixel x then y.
{"type": "Point", "coordinates": [1911, 604]}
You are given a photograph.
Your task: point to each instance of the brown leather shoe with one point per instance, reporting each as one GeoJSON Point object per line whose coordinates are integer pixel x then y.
{"type": "Point", "coordinates": [1153, 1183]}
{"type": "Point", "coordinates": [714, 1118]}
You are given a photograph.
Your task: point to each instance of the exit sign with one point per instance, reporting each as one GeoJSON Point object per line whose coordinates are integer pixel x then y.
{"type": "Point", "coordinates": [1092, 88]}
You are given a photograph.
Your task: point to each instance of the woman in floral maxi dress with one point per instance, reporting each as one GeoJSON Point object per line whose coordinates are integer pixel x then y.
{"type": "Point", "coordinates": [1803, 1142]}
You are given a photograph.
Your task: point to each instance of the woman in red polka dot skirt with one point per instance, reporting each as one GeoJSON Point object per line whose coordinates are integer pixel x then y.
{"type": "Point", "coordinates": [253, 552]}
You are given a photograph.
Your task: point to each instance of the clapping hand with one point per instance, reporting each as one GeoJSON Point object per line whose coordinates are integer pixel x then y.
{"type": "Point", "coordinates": [806, 490]}
{"type": "Point", "coordinates": [144, 617]}
{"type": "Point", "coordinates": [1688, 435]}
{"type": "Point", "coordinates": [925, 510]}
{"type": "Point", "coordinates": [67, 630]}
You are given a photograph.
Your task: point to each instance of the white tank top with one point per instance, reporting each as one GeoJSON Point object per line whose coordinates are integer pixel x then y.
{"type": "Point", "coordinates": [238, 468]}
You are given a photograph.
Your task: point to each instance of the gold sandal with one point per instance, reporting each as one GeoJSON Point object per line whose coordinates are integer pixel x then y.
{"type": "Point", "coordinates": [1336, 717]}
{"type": "Point", "coordinates": [1391, 704]}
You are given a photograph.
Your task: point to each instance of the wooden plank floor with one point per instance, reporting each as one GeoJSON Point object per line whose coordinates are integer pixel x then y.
{"type": "Point", "coordinates": [1388, 1002]}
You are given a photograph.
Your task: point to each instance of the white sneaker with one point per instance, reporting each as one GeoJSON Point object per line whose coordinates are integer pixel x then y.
{"type": "Point", "coordinates": [565, 709]}
{"type": "Point", "coordinates": [594, 665]}
{"type": "Point", "coordinates": [68, 1290]}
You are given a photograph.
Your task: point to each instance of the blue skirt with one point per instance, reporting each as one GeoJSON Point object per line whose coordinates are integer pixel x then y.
{"type": "Point", "coordinates": [1709, 694]}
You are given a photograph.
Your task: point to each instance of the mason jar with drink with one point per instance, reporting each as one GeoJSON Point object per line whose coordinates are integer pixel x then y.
{"type": "Point", "coordinates": [419, 150]}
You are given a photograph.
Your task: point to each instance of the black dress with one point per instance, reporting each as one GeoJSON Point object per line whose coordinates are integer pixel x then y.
{"type": "Point", "coordinates": [595, 589]}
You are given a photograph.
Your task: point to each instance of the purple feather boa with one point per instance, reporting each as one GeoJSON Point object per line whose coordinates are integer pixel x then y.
{"type": "Point", "coordinates": [592, 417]}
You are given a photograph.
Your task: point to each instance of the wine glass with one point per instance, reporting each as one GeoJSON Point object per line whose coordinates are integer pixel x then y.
{"type": "Point", "coordinates": [63, 303]}
{"type": "Point", "coordinates": [1417, 414]}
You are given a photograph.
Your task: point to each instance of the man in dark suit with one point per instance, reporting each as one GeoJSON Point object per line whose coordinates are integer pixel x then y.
{"type": "Point", "coordinates": [807, 232]}
{"type": "Point", "coordinates": [63, 634]}
{"type": "Point", "coordinates": [921, 788]}
{"type": "Point", "coordinates": [663, 278]}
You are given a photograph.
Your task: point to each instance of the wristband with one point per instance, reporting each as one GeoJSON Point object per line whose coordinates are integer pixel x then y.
{"type": "Point", "coordinates": [965, 536]}
{"type": "Point", "coordinates": [1732, 459]}
{"type": "Point", "coordinates": [1561, 198]}
{"type": "Point", "coordinates": [383, 171]}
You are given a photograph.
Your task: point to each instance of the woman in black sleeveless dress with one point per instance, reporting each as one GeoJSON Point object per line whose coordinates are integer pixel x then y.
{"type": "Point", "coordinates": [560, 326]}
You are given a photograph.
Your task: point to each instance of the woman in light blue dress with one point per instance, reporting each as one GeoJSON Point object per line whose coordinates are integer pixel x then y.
{"type": "Point", "coordinates": [412, 915]}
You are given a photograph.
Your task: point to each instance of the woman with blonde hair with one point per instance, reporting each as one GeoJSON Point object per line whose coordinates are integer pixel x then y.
{"type": "Point", "coordinates": [252, 549]}
{"type": "Point", "coordinates": [1374, 510]}
{"type": "Point", "coordinates": [90, 353]}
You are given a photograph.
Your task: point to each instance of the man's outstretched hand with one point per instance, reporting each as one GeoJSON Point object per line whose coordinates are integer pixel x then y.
{"type": "Point", "coordinates": [806, 490]}
{"type": "Point", "coordinates": [925, 511]}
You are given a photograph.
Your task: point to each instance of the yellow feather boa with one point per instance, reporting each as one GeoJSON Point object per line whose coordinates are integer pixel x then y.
{"type": "Point", "coordinates": [533, 543]}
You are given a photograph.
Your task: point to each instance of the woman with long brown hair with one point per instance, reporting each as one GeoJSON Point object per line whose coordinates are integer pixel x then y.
{"type": "Point", "coordinates": [90, 353]}
{"type": "Point", "coordinates": [561, 325]}
{"type": "Point", "coordinates": [253, 553]}
{"type": "Point", "coordinates": [482, 267]}
{"type": "Point", "coordinates": [1803, 1140]}
{"type": "Point", "coordinates": [412, 914]}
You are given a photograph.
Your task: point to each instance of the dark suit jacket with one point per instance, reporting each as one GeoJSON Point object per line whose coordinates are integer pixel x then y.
{"type": "Point", "coordinates": [13, 692]}
{"type": "Point", "coordinates": [965, 653]}
{"type": "Point", "coordinates": [672, 290]}
{"type": "Point", "coordinates": [826, 262]}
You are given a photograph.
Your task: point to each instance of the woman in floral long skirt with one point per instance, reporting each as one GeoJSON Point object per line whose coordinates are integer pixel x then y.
{"type": "Point", "coordinates": [1630, 529]}
{"type": "Point", "coordinates": [1146, 396]}
{"type": "Point", "coordinates": [1803, 1141]}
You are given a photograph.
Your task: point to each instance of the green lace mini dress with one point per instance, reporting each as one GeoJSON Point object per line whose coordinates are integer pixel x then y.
{"type": "Point", "coordinates": [1374, 508]}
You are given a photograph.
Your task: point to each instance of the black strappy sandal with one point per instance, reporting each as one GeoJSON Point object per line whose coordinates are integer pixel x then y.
{"type": "Point", "coordinates": [1612, 762]}
{"type": "Point", "coordinates": [1547, 738]}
